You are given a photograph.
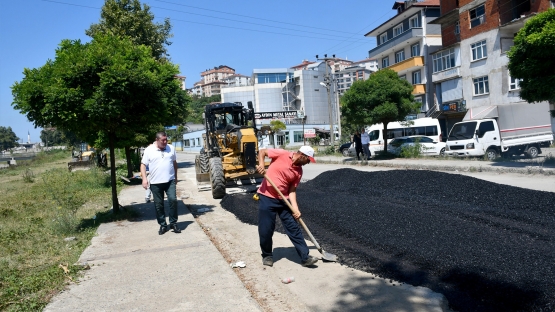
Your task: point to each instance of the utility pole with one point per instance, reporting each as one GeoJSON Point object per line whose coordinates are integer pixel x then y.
{"type": "Point", "coordinates": [327, 85]}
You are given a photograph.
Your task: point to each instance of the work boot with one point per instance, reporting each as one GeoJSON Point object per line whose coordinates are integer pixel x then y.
{"type": "Point", "coordinates": [268, 261]}
{"type": "Point", "coordinates": [309, 261]}
{"type": "Point", "coordinates": [163, 230]}
{"type": "Point", "coordinates": [175, 228]}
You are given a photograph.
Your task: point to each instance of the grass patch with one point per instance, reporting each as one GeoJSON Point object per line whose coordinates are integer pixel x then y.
{"type": "Point", "coordinates": [36, 214]}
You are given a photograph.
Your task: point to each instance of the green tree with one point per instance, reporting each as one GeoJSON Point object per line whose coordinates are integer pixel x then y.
{"type": "Point", "coordinates": [51, 137]}
{"type": "Point", "coordinates": [383, 98]}
{"type": "Point", "coordinates": [126, 18]}
{"type": "Point", "coordinates": [8, 139]}
{"type": "Point", "coordinates": [109, 86]}
{"type": "Point", "coordinates": [532, 59]}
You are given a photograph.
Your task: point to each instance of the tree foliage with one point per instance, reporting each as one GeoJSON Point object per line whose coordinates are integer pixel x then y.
{"type": "Point", "coordinates": [126, 18]}
{"type": "Point", "coordinates": [532, 58]}
{"type": "Point", "coordinates": [108, 87]}
{"type": "Point", "coordinates": [277, 126]}
{"type": "Point", "coordinates": [54, 136]}
{"type": "Point", "coordinates": [383, 98]}
{"type": "Point", "coordinates": [8, 139]}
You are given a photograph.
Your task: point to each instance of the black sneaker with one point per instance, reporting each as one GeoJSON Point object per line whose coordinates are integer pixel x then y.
{"type": "Point", "coordinates": [147, 200]}
{"type": "Point", "coordinates": [163, 230]}
{"type": "Point", "coordinates": [309, 261]}
{"type": "Point", "coordinates": [175, 228]}
{"type": "Point", "coordinates": [268, 261]}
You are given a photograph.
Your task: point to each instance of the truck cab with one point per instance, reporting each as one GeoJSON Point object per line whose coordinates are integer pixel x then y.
{"type": "Point", "coordinates": [474, 138]}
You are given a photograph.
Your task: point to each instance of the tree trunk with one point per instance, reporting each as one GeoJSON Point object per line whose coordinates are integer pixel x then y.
{"type": "Point", "coordinates": [385, 137]}
{"type": "Point", "coordinates": [129, 163]}
{"type": "Point", "coordinates": [111, 143]}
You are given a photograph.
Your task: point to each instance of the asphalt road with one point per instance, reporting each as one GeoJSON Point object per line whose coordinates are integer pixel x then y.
{"type": "Point", "coordinates": [485, 246]}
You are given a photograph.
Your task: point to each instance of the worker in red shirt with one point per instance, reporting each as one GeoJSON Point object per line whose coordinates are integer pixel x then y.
{"type": "Point", "coordinates": [285, 171]}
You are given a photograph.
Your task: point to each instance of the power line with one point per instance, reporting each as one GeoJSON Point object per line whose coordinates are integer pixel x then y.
{"type": "Point", "coordinates": [228, 19]}
{"type": "Point", "coordinates": [262, 19]}
{"type": "Point", "coordinates": [226, 26]}
{"type": "Point", "coordinates": [254, 30]}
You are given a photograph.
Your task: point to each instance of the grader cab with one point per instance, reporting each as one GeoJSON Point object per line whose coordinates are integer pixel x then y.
{"type": "Point", "coordinates": [230, 146]}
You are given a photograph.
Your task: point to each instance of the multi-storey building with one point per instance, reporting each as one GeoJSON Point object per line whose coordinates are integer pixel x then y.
{"type": "Point", "coordinates": [237, 80]}
{"type": "Point", "coordinates": [345, 78]}
{"type": "Point", "coordinates": [404, 43]}
{"type": "Point", "coordinates": [471, 68]}
{"type": "Point", "coordinates": [212, 80]}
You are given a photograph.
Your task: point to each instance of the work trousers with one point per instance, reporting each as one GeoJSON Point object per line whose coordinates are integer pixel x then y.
{"type": "Point", "coordinates": [158, 191]}
{"type": "Point", "coordinates": [268, 209]}
{"type": "Point", "coordinates": [366, 148]}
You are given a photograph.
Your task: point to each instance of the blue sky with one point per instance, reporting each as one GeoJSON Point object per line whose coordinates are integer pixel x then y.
{"type": "Point", "coordinates": [244, 35]}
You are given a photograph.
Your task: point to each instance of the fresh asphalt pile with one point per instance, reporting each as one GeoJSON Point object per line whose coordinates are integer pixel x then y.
{"type": "Point", "coordinates": [485, 246]}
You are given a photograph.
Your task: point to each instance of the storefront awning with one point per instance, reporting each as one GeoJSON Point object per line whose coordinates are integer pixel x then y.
{"type": "Point", "coordinates": [481, 112]}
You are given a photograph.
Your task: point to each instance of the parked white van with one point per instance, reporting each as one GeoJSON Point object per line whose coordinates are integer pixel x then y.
{"type": "Point", "coordinates": [422, 126]}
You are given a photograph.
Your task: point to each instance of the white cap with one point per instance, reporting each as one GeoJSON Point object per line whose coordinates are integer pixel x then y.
{"type": "Point", "coordinates": [308, 151]}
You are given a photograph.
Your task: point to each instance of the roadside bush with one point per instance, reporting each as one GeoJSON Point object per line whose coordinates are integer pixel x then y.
{"type": "Point", "coordinates": [411, 151]}
{"type": "Point", "coordinates": [28, 176]}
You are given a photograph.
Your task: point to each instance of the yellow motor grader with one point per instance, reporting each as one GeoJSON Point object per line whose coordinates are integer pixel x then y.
{"type": "Point", "coordinates": [230, 149]}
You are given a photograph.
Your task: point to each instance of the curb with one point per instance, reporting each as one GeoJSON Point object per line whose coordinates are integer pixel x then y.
{"type": "Point", "coordinates": [464, 168]}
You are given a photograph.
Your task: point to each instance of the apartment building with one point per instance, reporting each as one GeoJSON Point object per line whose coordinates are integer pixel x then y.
{"type": "Point", "coordinates": [405, 42]}
{"type": "Point", "coordinates": [237, 80]}
{"type": "Point", "coordinates": [345, 78]}
{"type": "Point", "coordinates": [471, 70]}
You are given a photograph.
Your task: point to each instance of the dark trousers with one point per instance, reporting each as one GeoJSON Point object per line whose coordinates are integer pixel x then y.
{"type": "Point", "coordinates": [359, 151]}
{"type": "Point", "coordinates": [158, 191]}
{"type": "Point", "coordinates": [268, 209]}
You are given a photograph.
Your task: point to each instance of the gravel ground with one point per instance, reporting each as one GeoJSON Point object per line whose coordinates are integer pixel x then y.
{"type": "Point", "coordinates": [485, 246]}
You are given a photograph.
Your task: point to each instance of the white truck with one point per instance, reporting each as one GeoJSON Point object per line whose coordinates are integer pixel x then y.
{"type": "Point", "coordinates": [507, 130]}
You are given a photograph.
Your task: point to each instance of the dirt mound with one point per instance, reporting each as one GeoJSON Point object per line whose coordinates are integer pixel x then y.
{"type": "Point", "coordinates": [485, 246]}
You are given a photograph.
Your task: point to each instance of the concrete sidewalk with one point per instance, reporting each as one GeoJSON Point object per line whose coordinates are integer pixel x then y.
{"type": "Point", "coordinates": [135, 269]}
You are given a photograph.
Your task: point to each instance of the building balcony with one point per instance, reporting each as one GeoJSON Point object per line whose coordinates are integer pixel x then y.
{"type": "Point", "coordinates": [446, 74]}
{"type": "Point", "coordinates": [407, 65]}
{"type": "Point", "coordinates": [419, 89]}
{"type": "Point", "coordinates": [408, 37]}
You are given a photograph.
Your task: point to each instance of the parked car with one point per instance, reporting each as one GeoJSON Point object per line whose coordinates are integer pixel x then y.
{"type": "Point", "coordinates": [428, 146]}
{"type": "Point", "coordinates": [344, 148]}
{"type": "Point", "coordinates": [349, 150]}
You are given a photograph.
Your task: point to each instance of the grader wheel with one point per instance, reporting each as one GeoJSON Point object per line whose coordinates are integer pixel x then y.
{"type": "Point", "coordinates": [203, 163]}
{"type": "Point", "coordinates": [217, 178]}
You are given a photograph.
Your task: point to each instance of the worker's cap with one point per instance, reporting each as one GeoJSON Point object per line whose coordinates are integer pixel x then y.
{"type": "Point", "coordinates": [308, 151]}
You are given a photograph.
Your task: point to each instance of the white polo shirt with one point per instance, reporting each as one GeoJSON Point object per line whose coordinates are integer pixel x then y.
{"type": "Point", "coordinates": [160, 163]}
{"type": "Point", "coordinates": [364, 138]}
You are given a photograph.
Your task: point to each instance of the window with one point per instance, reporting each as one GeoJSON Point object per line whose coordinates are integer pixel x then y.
{"type": "Point", "coordinates": [404, 77]}
{"type": "Point", "coordinates": [400, 56]}
{"type": "Point", "coordinates": [398, 30]}
{"type": "Point", "coordinates": [414, 22]}
{"type": "Point", "coordinates": [443, 60]}
{"type": "Point", "coordinates": [479, 50]}
{"type": "Point", "coordinates": [485, 127]}
{"type": "Point", "coordinates": [298, 136]}
{"type": "Point", "coordinates": [416, 78]}
{"type": "Point", "coordinates": [415, 50]}
{"type": "Point", "coordinates": [478, 16]}
{"type": "Point", "coordinates": [385, 62]}
{"type": "Point", "coordinates": [514, 83]}
{"type": "Point", "coordinates": [383, 38]}
{"type": "Point", "coordinates": [457, 28]}
{"type": "Point", "coordinates": [481, 85]}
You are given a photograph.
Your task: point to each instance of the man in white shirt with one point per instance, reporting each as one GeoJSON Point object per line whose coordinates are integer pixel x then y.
{"type": "Point", "coordinates": [162, 163]}
{"type": "Point", "coordinates": [365, 140]}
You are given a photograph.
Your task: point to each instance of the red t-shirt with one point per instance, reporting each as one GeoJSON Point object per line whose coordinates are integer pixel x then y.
{"type": "Point", "coordinates": [282, 172]}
